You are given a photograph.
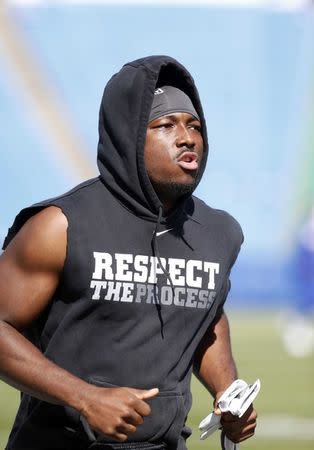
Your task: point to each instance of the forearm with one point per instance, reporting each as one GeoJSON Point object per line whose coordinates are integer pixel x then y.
{"type": "Point", "coordinates": [214, 363]}
{"type": "Point", "coordinates": [216, 369]}
{"type": "Point", "coordinates": [113, 412]}
{"type": "Point", "coordinates": [24, 367]}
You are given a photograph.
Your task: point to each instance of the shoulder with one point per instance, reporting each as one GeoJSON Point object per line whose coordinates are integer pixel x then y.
{"type": "Point", "coordinates": [31, 266]}
{"type": "Point", "coordinates": [217, 219]}
{"type": "Point", "coordinates": [221, 226]}
{"type": "Point", "coordinates": [76, 198]}
{"type": "Point", "coordinates": [48, 223]}
{"type": "Point", "coordinates": [41, 241]}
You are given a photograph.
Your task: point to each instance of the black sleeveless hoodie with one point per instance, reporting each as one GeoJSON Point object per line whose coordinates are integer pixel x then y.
{"type": "Point", "coordinates": [138, 289]}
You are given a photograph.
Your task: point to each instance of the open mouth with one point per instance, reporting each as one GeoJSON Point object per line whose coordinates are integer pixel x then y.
{"type": "Point", "coordinates": [188, 161]}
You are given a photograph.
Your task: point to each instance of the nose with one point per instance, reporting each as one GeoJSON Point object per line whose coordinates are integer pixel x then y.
{"type": "Point", "coordinates": [184, 137]}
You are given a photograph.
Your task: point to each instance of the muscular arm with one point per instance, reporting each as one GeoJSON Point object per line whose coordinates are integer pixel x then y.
{"type": "Point", "coordinates": [30, 268]}
{"type": "Point", "coordinates": [215, 368]}
{"type": "Point", "coordinates": [214, 363]}
{"type": "Point", "coordinates": [29, 273]}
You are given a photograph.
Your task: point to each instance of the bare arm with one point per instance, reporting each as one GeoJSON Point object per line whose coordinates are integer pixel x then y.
{"type": "Point", "coordinates": [214, 363]}
{"type": "Point", "coordinates": [216, 369]}
{"type": "Point", "coordinates": [29, 275]}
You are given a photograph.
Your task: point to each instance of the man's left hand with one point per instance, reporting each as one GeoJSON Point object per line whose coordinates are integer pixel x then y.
{"type": "Point", "coordinates": [237, 429]}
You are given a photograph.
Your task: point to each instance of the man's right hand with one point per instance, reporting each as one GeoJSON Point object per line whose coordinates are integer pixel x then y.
{"type": "Point", "coordinates": [116, 412]}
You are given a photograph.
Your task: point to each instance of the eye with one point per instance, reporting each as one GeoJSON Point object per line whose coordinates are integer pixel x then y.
{"type": "Point", "coordinates": [196, 127]}
{"type": "Point", "coordinates": [164, 125]}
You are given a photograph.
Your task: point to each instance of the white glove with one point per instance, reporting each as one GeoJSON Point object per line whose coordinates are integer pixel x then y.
{"type": "Point", "coordinates": [236, 399]}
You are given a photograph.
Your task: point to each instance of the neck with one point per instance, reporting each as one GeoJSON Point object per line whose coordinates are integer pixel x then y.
{"type": "Point", "coordinates": [168, 206]}
{"type": "Point", "coordinates": [172, 194]}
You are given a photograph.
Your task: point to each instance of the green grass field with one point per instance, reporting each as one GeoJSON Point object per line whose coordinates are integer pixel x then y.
{"type": "Point", "coordinates": [285, 403]}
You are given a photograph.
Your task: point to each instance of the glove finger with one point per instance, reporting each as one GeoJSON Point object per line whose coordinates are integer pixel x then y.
{"type": "Point", "coordinates": [210, 421]}
{"type": "Point", "coordinates": [205, 422]}
{"type": "Point", "coordinates": [207, 433]}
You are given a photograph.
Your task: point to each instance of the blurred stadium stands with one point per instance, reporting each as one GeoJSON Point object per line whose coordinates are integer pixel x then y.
{"type": "Point", "coordinates": [255, 72]}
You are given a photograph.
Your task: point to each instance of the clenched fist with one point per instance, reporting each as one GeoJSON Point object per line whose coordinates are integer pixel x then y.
{"type": "Point", "coordinates": [116, 412]}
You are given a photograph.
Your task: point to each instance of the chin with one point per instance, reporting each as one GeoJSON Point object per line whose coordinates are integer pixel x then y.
{"type": "Point", "coordinates": [175, 189]}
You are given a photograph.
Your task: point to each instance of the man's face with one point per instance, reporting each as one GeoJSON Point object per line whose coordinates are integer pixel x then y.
{"type": "Point", "coordinates": [173, 154]}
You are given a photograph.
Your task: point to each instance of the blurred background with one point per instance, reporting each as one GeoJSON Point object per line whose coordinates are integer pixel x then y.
{"type": "Point", "coordinates": [253, 63]}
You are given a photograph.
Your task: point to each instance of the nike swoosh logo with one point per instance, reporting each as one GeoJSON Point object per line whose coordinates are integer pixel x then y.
{"type": "Point", "coordinates": [163, 232]}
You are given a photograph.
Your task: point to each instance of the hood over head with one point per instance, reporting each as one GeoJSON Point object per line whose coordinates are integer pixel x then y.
{"type": "Point", "coordinates": [123, 119]}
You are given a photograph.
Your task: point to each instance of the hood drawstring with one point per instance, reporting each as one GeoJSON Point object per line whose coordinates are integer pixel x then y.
{"type": "Point", "coordinates": [156, 249]}
{"type": "Point", "coordinates": [167, 274]}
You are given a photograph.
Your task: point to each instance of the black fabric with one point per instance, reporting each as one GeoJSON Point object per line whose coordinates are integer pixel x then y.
{"type": "Point", "coordinates": [127, 446]}
{"type": "Point", "coordinates": [138, 289]}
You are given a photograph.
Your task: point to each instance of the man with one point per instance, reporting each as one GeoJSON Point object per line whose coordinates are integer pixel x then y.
{"type": "Point", "coordinates": [112, 294]}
